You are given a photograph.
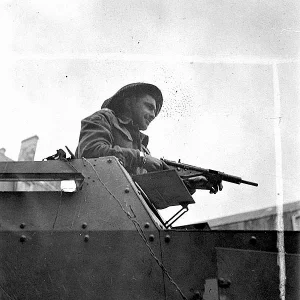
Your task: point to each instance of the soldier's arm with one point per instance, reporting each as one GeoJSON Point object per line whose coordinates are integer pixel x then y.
{"type": "Point", "coordinates": [96, 140]}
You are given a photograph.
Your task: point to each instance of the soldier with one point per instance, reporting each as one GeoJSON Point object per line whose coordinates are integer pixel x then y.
{"type": "Point", "coordinates": [115, 130]}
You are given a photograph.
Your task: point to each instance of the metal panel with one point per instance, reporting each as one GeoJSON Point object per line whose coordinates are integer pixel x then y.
{"type": "Point", "coordinates": [89, 244]}
{"type": "Point", "coordinates": [190, 259]}
{"type": "Point", "coordinates": [103, 242]}
{"type": "Point", "coordinates": [65, 265]}
{"type": "Point", "coordinates": [164, 188]}
{"type": "Point", "coordinates": [249, 275]}
{"type": "Point", "coordinates": [108, 200]}
{"type": "Point", "coordinates": [40, 170]}
{"type": "Point", "coordinates": [257, 240]}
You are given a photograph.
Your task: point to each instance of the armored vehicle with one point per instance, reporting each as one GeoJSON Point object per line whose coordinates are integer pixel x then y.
{"type": "Point", "coordinates": [107, 240]}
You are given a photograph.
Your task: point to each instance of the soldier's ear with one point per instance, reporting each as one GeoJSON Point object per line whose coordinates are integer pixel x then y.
{"type": "Point", "coordinates": [127, 104]}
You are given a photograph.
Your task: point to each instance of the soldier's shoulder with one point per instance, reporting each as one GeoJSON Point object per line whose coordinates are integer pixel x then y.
{"type": "Point", "coordinates": [101, 114]}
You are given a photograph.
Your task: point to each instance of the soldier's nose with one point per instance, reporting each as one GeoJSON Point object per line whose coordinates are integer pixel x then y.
{"type": "Point", "coordinates": [152, 115]}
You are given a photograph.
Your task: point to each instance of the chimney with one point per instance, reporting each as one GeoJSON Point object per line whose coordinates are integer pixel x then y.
{"type": "Point", "coordinates": [28, 148]}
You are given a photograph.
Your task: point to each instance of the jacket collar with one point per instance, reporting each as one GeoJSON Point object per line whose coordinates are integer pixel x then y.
{"type": "Point", "coordinates": [144, 139]}
{"type": "Point", "coordinates": [126, 121]}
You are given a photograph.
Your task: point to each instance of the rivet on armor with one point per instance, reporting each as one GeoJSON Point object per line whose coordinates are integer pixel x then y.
{"type": "Point", "coordinates": [167, 238]}
{"type": "Point", "coordinates": [224, 283]}
{"type": "Point", "coordinates": [151, 237]}
{"type": "Point", "coordinates": [22, 225]}
{"type": "Point", "coordinates": [147, 225]}
{"type": "Point", "coordinates": [23, 238]}
{"type": "Point", "coordinates": [84, 225]}
{"type": "Point", "coordinates": [86, 238]}
{"type": "Point", "coordinates": [127, 190]}
{"type": "Point", "coordinates": [253, 240]}
{"type": "Point", "coordinates": [197, 295]}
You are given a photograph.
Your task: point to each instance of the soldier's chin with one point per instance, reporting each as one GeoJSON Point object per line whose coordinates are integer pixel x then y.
{"type": "Point", "coordinates": [144, 127]}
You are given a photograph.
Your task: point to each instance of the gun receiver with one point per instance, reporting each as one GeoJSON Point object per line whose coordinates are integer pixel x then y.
{"type": "Point", "coordinates": [189, 171]}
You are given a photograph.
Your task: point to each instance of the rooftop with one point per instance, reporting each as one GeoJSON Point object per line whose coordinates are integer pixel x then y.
{"type": "Point", "coordinates": [252, 215]}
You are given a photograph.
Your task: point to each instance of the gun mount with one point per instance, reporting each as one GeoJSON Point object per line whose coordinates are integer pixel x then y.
{"type": "Point", "coordinates": [107, 240]}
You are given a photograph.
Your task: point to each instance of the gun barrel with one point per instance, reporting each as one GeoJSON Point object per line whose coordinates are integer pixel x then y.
{"type": "Point", "coordinates": [232, 178]}
{"type": "Point", "coordinates": [249, 182]}
{"type": "Point", "coordinates": [223, 176]}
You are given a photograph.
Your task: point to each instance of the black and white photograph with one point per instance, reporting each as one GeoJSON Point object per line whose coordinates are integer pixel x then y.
{"type": "Point", "coordinates": [150, 149]}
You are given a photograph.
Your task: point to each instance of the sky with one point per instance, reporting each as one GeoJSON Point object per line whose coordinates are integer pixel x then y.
{"type": "Point", "coordinates": [228, 71]}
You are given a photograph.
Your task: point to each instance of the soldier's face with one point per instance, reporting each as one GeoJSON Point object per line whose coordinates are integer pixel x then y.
{"type": "Point", "coordinates": [143, 111]}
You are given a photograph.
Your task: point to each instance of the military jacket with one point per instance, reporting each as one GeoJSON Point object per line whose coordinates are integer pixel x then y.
{"type": "Point", "coordinates": [105, 134]}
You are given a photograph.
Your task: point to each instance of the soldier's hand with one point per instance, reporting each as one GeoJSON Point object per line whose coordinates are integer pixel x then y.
{"type": "Point", "coordinates": [203, 183]}
{"type": "Point", "coordinates": [154, 164]}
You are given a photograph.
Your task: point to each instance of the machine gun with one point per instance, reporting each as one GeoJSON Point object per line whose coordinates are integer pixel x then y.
{"type": "Point", "coordinates": [188, 171]}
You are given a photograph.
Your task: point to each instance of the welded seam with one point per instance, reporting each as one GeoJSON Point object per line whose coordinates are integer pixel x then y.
{"type": "Point", "coordinates": [161, 255]}
{"type": "Point", "coordinates": [7, 294]}
{"type": "Point", "coordinates": [140, 231]}
{"type": "Point", "coordinates": [57, 212]}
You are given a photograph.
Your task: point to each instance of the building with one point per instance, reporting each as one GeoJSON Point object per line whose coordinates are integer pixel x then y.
{"type": "Point", "coordinates": [262, 219]}
{"type": "Point", "coordinates": [5, 186]}
{"type": "Point", "coordinates": [27, 153]}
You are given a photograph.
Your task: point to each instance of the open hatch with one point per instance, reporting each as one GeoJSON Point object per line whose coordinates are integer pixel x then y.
{"type": "Point", "coordinates": [163, 189]}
